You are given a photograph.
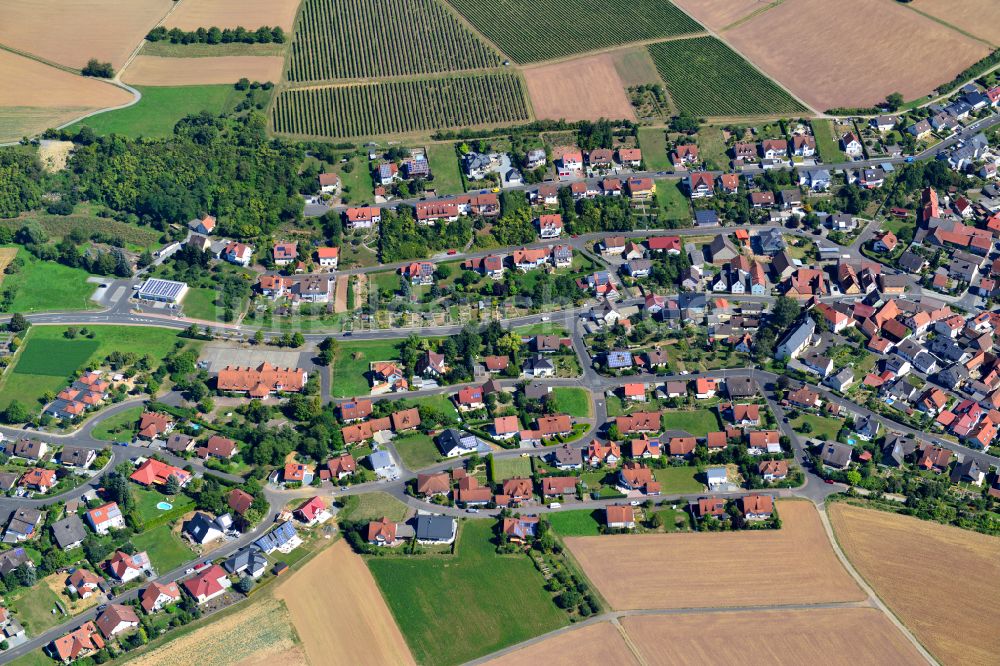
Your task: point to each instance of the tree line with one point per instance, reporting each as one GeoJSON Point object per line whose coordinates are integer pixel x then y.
{"type": "Point", "coordinates": [214, 35]}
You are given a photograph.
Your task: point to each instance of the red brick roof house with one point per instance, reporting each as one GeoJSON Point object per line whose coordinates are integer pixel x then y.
{"type": "Point", "coordinates": [934, 458]}
{"type": "Point", "coordinates": [117, 618]}
{"type": "Point", "coordinates": [470, 398]}
{"type": "Point", "coordinates": [644, 448]}
{"type": "Point", "coordinates": [158, 595]}
{"type": "Point", "coordinates": [469, 492]}
{"type": "Point", "coordinates": [551, 426]}
{"type": "Point", "coordinates": [355, 410]}
{"type": "Point", "coordinates": [340, 466]}
{"type": "Point", "coordinates": [518, 489]}
{"type": "Point", "coordinates": [218, 447]}
{"type": "Point", "coordinates": [804, 397]}
{"type": "Point", "coordinates": [405, 419]}
{"type": "Point", "coordinates": [239, 501]}
{"type": "Point", "coordinates": [619, 517]}
{"type": "Point", "coordinates": [773, 470]}
{"type": "Point", "coordinates": [208, 584]}
{"type": "Point", "coordinates": [598, 453]}
{"type": "Point", "coordinates": [712, 506]}
{"type": "Point", "coordinates": [635, 476]}
{"type": "Point", "coordinates": [261, 381]}
{"type": "Point", "coordinates": [78, 643]}
{"type": "Point", "coordinates": [84, 583]}
{"type": "Point", "coordinates": [554, 486]}
{"type": "Point", "coordinates": [382, 532]}
{"type": "Point", "coordinates": [745, 414]}
{"type": "Point", "coordinates": [681, 447]}
{"type": "Point", "coordinates": [520, 530]}
{"type": "Point", "coordinates": [757, 507]}
{"type": "Point", "coordinates": [312, 511]}
{"type": "Point", "coordinates": [716, 441]}
{"type": "Point", "coordinates": [153, 424]}
{"type": "Point", "coordinates": [638, 422]}
{"type": "Point", "coordinates": [429, 485]}
{"type": "Point", "coordinates": [38, 479]}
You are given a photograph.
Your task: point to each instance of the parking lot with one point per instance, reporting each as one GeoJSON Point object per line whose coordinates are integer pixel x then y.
{"type": "Point", "coordinates": [214, 358]}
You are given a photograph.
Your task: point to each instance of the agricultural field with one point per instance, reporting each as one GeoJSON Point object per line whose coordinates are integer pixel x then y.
{"type": "Point", "coordinates": [167, 49]}
{"type": "Point", "coordinates": [534, 30]}
{"type": "Point", "coordinates": [72, 33]}
{"type": "Point", "coordinates": [717, 14]}
{"type": "Point", "coordinates": [149, 70]}
{"type": "Point", "coordinates": [823, 70]}
{"type": "Point", "coordinates": [351, 364]}
{"type": "Point", "coordinates": [698, 422]}
{"type": "Point", "coordinates": [706, 78]}
{"type": "Point", "coordinates": [508, 468]}
{"type": "Point", "coordinates": [333, 40]}
{"type": "Point", "coordinates": [843, 636]}
{"type": "Point", "coordinates": [54, 357]}
{"type": "Point", "coordinates": [353, 626]}
{"type": "Point", "coordinates": [707, 568]}
{"type": "Point", "coordinates": [225, 639]}
{"type": "Point", "coordinates": [251, 14]}
{"type": "Point", "coordinates": [84, 219]}
{"type": "Point", "coordinates": [399, 107]}
{"type": "Point", "coordinates": [161, 107]}
{"type": "Point", "coordinates": [958, 624]}
{"type": "Point", "coordinates": [370, 506]}
{"type": "Point", "coordinates": [598, 643]}
{"type": "Point", "coordinates": [653, 142]}
{"type": "Point", "coordinates": [581, 89]}
{"type": "Point", "coordinates": [981, 18]}
{"type": "Point", "coordinates": [572, 401]}
{"type": "Point", "coordinates": [502, 599]}
{"type": "Point", "coordinates": [417, 450]}
{"type": "Point", "coordinates": [40, 286]}
{"type": "Point", "coordinates": [38, 97]}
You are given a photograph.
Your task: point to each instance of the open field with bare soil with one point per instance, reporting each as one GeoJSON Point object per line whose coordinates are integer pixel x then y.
{"type": "Point", "coordinates": [841, 68]}
{"type": "Point", "coordinates": [261, 632]}
{"type": "Point", "coordinates": [594, 644]}
{"type": "Point", "coordinates": [848, 636]}
{"type": "Point", "coordinates": [251, 14]}
{"type": "Point", "coordinates": [717, 14]}
{"type": "Point", "coordinates": [581, 89]}
{"type": "Point", "coordinates": [706, 569]}
{"type": "Point", "coordinates": [941, 581]}
{"type": "Point", "coordinates": [339, 612]}
{"type": "Point", "coordinates": [53, 155]}
{"type": "Point", "coordinates": [976, 17]}
{"type": "Point", "coordinates": [71, 33]}
{"type": "Point", "coordinates": [156, 71]}
{"type": "Point", "coordinates": [35, 96]}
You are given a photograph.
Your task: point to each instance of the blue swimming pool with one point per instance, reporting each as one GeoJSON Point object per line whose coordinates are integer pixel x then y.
{"type": "Point", "coordinates": [164, 506]}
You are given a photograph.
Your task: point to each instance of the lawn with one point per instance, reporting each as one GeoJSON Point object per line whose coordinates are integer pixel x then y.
{"type": "Point", "coordinates": [508, 468]}
{"type": "Point", "coordinates": [370, 506]}
{"type": "Point", "coordinates": [147, 499]}
{"type": "Point", "coordinates": [33, 608]}
{"type": "Point", "coordinates": [712, 146]}
{"type": "Point", "coordinates": [29, 387]}
{"type": "Point", "coordinates": [33, 658]}
{"type": "Point", "coordinates": [417, 450]}
{"type": "Point", "coordinates": [495, 600]}
{"type": "Point", "coordinates": [357, 183]}
{"type": "Point", "coordinates": [120, 427]}
{"type": "Point", "coordinates": [572, 401]}
{"type": "Point", "coordinates": [678, 480]}
{"type": "Point", "coordinates": [444, 168]}
{"type": "Point", "coordinates": [822, 427]}
{"type": "Point", "coordinates": [896, 225]}
{"type": "Point", "coordinates": [351, 365]}
{"type": "Point", "coordinates": [166, 550]}
{"type": "Point", "coordinates": [674, 204]}
{"type": "Point", "coordinates": [199, 303]}
{"type": "Point", "coordinates": [674, 520]}
{"type": "Point", "coordinates": [653, 142]}
{"type": "Point", "coordinates": [440, 402]}
{"type": "Point", "coordinates": [698, 422]}
{"type": "Point", "coordinates": [827, 144]}
{"type": "Point", "coordinates": [54, 357]}
{"type": "Point", "coordinates": [160, 108]}
{"type": "Point", "coordinates": [387, 281]}
{"type": "Point", "coordinates": [41, 286]}
{"type": "Point", "coordinates": [577, 523]}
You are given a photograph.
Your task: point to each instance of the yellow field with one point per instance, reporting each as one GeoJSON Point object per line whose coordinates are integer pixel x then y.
{"type": "Point", "coordinates": [977, 17]}
{"type": "Point", "coordinates": [941, 581]}
{"type": "Point", "coordinates": [259, 633]}
{"type": "Point", "coordinates": [157, 71]}
{"type": "Point", "coordinates": [829, 636]}
{"type": "Point", "coordinates": [70, 32]}
{"type": "Point", "coordinates": [251, 14]}
{"type": "Point", "coordinates": [593, 644]}
{"type": "Point", "coordinates": [793, 565]}
{"type": "Point", "coordinates": [339, 612]}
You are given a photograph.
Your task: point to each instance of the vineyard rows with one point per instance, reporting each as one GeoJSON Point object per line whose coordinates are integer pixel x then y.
{"type": "Point", "coordinates": [707, 78]}
{"type": "Point", "coordinates": [533, 30]}
{"type": "Point", "coordinates": [350, 39]}
{"type": "Point", "coordinates": [399, 107]}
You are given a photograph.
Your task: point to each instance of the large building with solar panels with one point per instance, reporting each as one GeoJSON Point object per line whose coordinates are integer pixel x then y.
{"type": "Point", "coordinates": [164, 291]}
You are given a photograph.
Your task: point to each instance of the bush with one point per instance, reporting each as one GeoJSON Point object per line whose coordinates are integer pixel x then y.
{"type": "Point", "coordinates": [102, 70]}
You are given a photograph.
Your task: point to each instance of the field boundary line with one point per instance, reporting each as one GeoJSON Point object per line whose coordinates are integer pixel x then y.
{"type": "Point", "coordinates": [632, 647]}
{"type": "Point", "coordinates": [642, 43]}
{"type": "Point", "coordinates": [475, 31]}
{"type": "Point", "coordinates": [38, 58]}
{"type": "Point", "coordinates": [751, 16]}
{"type": "Point", "coordinates": [947, 25]}
{"type": "Point", "coordinates": [872, 595]}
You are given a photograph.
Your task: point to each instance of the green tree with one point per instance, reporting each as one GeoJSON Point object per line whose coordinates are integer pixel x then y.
{"type": "Point", "coordinates": [18, 323]}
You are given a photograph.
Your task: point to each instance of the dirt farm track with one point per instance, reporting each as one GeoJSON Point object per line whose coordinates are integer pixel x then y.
{"type": "Point", "coordinates": [941, 581]}
{"type": "Point", "coordinates": [700, 570]}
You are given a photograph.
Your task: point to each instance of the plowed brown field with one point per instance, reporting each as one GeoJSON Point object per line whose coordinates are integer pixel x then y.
{"type": "Point", "coordinates": [579, 89]}
{"type": "Point", "coordinates": [594, 644]}
{"type": "Point", "coordinates": [156, 71]}
{"type": "Point", "coordinates": [251, 14]}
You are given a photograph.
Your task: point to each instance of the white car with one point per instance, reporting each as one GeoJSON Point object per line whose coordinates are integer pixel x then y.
{"type": "Point", "coordinates": [555, 505]}
{"type": "Point", "coordinates": [635, 503]}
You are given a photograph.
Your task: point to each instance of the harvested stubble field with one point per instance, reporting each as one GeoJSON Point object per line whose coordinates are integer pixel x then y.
{"type": "Point", "coordinates": [707, 78]}
{"type": "Point", "coordinates": [156, 71]}
{"type": "Point", "coordinates": [709, 569]}
{"type": "Point", "coordinates": [260, 632]}
{"type": "Point", "coordinates": [847, 636]}
{"type": "Point", "coordinates": [582, 89]}
{"type": "Point", "coordinates": [352, 626]}
{"type": "Point", "coordinates": [35, 96]}
{"type": "Point", "coordinates": [954, 615]}
{"type": "Point", "coordinates": [70, 33]}
{"type": "Point", "coordinates": [717, 14]}
{"type": "Point", "coordinates": [598, 643]}
{"type": "Point", "coordinates": [333, 40]}
{"type": "Point", "coordinates": [839, 68]}
{"type": "Point", "coordinates": [399, 107]}
{"type": "Point", "coordinates": [534, 30]}
{"type": "Point", "coordinates": [251, 14]}
{"type": "Point", "coordinates": [976, 17]}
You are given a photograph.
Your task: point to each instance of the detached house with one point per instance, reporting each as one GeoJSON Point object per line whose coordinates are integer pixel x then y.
{"type": "Point", "coordinates": [700, 184]}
